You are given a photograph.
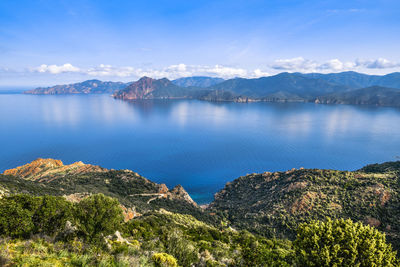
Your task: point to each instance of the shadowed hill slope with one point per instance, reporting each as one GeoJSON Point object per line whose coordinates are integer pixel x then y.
{"type": "Point", "coordinates": [273, 204]}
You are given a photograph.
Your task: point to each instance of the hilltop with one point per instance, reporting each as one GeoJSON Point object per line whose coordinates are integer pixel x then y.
{"type": "Point", "coordinates": [52, 177]}
{"type": "Point", "coordinates": [274, 204]}
{"type": "Point", "coordinates": [148, 88]}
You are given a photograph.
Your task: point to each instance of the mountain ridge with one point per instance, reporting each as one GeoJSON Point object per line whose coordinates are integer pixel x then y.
{"type": "Point", "coordinates": [283, 87]}
{"type": "Point", "coordinates": [50, 176]}
{"type": "Point", "coordinates": [85, 87]}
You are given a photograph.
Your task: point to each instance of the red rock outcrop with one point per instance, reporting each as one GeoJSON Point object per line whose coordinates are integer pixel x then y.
{"type": "Point", "coordinates": [51, 168]}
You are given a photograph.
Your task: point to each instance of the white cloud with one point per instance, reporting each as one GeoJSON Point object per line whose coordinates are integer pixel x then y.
{"type": "Point", "coordinates": [334, 65]}
{"type": "Point", "coordinates": [108, 70]}
{"type": "Point", "coordinates": [171, 72]}
{"type": "Point", "coordinates": [380, 63]}
{"type": "Point", "coordinates": [259, 73]}
{"type": "Point", "coordinates": [298, 64]}
{"type": "Point", "coordinates": [54, 69]}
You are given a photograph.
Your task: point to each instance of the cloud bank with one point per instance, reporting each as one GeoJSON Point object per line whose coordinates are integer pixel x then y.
{"type": "Point", "coordinates": [298, 64]}
{"type": "Point", "coordinates": [334, 65]}
{"type": "Point", "coordinates": [172, 71]}
{"type": "Point", "coordinates": [54, 69]}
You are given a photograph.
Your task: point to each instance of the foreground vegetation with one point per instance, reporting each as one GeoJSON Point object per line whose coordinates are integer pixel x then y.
{"type": "Point", "coordinates": [50, 231]}
{"type": "Point", "coordinates": [84, 215]}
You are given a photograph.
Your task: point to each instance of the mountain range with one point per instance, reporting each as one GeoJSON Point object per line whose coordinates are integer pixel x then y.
{"type": "Point", "coordinates": [334, 88]}
{"type": "Point", "coordinates": [86, 87]}
{"type": "Point", "coordinates": [197, 81]}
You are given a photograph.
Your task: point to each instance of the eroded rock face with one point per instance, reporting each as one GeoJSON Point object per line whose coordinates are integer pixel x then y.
{"type": "Point", "coordinates": [148, 88]}
{"type": "Point", "coordinates": [137, 90]}
{"type": "Point", "coordinates": [178, 192]}
{"type": "Point", "coordinates": [51, 168]}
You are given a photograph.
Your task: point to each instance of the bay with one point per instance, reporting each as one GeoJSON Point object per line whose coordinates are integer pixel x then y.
{"type": "Point", "coordinates": [200, 145]}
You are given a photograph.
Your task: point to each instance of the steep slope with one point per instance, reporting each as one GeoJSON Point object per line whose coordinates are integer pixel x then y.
{"type": "Point", "coordinates": [375, 95]}
{"type": "Point", "coordinates": [86, 87]}
{"type": "Point", "coordinates": [197, 81]}
{"type": "Point", "coordinates": [148, 88]}
{"type": "Point", "coordinates": [49, 176]}
{"type": "Point", "coordinates": [284, 86]}
{"type": "Point", "coordinates": [359, 80]}
{"type": "Point", "coordinates": [273, 204]}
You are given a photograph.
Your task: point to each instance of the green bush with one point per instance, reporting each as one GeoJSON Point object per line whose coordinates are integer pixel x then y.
{"type": "Point", "coordinates": [15, 221]}
{"type": "Point", "coordinates": [341, 243]}
{"type": "Point", "coordinates": [164, 260]}
{"type": "Point", "coordinates": [52, 214]}
{"type": "Point", "coordinates": [98, 215]}
{"type": "Point", "coordinates": [23, 215]}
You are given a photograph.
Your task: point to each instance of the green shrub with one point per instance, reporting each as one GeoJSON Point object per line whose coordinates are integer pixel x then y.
{"type": "Point", "coordinates": [341, 243]}
{"type": "Point", "coordinates": [52, 214]}
{"type": "Point", "coordinates": [164, 260]}
{"type": "Point", "coordinates": [98, 215]}
{"type": "Point", "coordinates": [23, 215]}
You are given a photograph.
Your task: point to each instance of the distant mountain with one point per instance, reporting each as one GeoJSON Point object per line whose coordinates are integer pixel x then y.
{"type": "Point", "coordinates": [148, 88]}
{"type": "Point", "coordinates": [359, 80]}
{"type": "Point", "coordinates": [197, 81]}
{"type": "Point", "coordinates": [86, 87]}
{"type": "Point", "coordinates": [374, 95]}
{"type": "Point", "coordinates": [284, 87]}
{"type": "Point", "coordinates": [281, 87]}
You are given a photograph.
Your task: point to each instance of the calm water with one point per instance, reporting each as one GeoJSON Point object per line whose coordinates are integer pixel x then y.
{"type": "Point", "coordinates": [200, 145]}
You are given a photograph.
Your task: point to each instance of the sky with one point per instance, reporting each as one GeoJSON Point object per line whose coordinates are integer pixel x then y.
{"type": "Point", "coordinates": [47, 42]}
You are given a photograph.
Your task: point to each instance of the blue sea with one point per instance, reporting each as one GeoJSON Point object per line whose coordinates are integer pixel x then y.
{"type": "Point", "coordinates": [200, 145]}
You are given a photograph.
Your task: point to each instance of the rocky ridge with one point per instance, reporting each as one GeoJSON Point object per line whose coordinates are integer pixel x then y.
{"type": "Point", "coordinates": [78, 180]}
{"type": "Point", "coordinates": [274, 203]}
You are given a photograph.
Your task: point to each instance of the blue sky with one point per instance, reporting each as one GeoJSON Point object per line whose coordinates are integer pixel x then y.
{"type": "Point", "coordinates": [45, 42]}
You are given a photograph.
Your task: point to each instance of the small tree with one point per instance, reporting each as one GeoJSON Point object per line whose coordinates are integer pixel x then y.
{"type": "Point", "coordinates": [98, 215]}
{"type": "Point", "coordinates": [15, 221]}
{"type": "Point", "coordinates": [52, 214]}
{"type": "Point", "coordinates": [342, 243]}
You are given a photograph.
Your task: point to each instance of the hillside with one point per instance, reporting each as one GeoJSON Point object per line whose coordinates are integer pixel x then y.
{"type": "Point", "coordinates": [375, 95]}
{"type": "Point", "coordinates": [273, 204]}
{"type": "Point", "coordinates": [281, 87]}
{"type": "Point", "coordinates": [66, 217]}
{"type": "Point", "coordinates": [52, 177]}
{"type": "Point", "coordinates": [359, 80]}
{"type": "Point", "coordinates": [197, 81]}
{"type": "Point", "coordinates": [148, 88]}
{"type": "Point", "coordinates": [86, 87]}
{"type": "Point", "coordinates": [335, 88]}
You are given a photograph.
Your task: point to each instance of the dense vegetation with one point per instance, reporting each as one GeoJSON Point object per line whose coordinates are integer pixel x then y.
{"type": "Point", "coordinates": [50, 231]}
{"type": "Point", "coordinates": [274, 204]}
{"type": "Point", "coordinates": [375, 95]}
{"type": "Point", "coordinates": [341, 243]}
{"type": "Point", "coordinates": [43, 177]}
{"type": "Point", "coordinates": [66, 216]}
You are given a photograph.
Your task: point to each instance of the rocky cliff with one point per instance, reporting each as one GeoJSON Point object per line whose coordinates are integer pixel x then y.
{"type": "Point", "coordinates": [148, 88]}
